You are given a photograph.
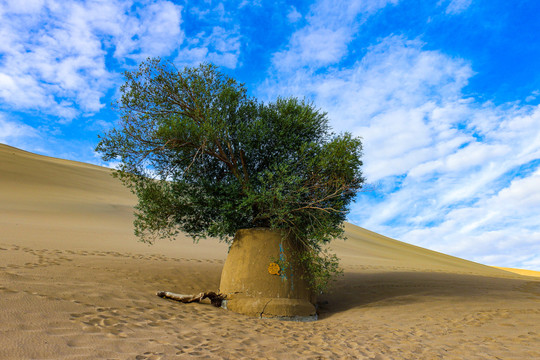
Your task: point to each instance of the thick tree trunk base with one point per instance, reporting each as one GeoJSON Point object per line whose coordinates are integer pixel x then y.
{"type": "Point", "coordinates": [252, 286]}
{"type": "Point", "coordinates": [215, 299]}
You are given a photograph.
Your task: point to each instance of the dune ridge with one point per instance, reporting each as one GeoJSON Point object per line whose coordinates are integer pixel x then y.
{"type": "Point", "coordinates": [76, 283]}
{"type": "Point", "coordinates": [521, 271]}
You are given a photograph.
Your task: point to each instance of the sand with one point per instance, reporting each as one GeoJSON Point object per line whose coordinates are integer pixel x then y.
{"type": "Point", "coordinates": [76, 284]}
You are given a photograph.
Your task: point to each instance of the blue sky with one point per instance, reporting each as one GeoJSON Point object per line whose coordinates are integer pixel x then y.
{"type": "Point", "coordinates": [444, 93]}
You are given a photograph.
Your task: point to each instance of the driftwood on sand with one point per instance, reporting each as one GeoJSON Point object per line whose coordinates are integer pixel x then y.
{"type": "Point", "coordinates": [215, 299]}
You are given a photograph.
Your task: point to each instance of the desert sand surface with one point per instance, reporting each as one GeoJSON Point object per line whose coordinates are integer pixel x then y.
{"type": "Point", "coordinates": [76, 284]}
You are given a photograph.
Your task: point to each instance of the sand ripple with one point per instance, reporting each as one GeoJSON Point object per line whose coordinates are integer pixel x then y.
{"type": "Point", "coordinates": [92, 304]}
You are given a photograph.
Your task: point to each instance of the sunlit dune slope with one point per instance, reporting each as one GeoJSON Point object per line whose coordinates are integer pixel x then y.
{"type": "Point", "coordinates": [367, 248]}
{"type": "Point", "coordinates": [49, 202]}
{"type": "Point", "coordinates": [55, 203]}
{"type": "Point", "coordinates": [521, 271]}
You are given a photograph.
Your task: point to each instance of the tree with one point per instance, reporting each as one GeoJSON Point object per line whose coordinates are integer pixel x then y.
{"type": "Point", "coordinates": [206, 159]}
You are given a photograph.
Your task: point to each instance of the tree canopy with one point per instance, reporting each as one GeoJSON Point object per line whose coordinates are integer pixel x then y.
{"type": "Point", "coordinates": [206, 159]}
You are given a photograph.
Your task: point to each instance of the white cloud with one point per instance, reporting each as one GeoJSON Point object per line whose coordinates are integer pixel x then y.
{"type": "Point", "coordinates": [154, 30]}
{"type": "Point", "coordinates": [458, 6]}
{"type": "Point", "coordinates": [15, 133]}
{"type": "Point", "coordinates": [459, 192]}
{"type": "Point", "coordinates": [24, 7]}
{"type": "Point", "coordinates": [324, 41]}
{"type": "Point", "coordinates": [293, 15]}
{"type": "Point", "coordinates": [250, 3]}
{"type": "Point", "coordinates": [533, 96]}
{"type": "Point", "coordinates": [53, 53]}
{"type": "Point", "coordinates": [499, 229]}
{"type": "Point", "coordinates": [220, 47]}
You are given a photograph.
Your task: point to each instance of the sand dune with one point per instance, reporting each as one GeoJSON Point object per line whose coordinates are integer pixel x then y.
{"type": "Point", "coordinates": [76, 283]}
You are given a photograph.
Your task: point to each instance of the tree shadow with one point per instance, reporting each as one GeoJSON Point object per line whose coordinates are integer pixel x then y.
{"type": "Point", "coordinates": [379, 289]}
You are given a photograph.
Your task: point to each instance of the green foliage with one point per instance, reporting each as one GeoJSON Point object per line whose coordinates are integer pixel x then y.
{"type": "Point", "coordinates": [206, 159]}
{"type": "Point", "coordinates": [320, 268]}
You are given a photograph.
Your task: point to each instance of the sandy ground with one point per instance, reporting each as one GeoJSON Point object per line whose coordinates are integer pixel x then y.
{"type": "Point", "coordinates": [76, 284]}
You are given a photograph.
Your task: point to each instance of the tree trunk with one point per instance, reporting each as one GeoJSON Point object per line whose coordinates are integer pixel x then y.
{"type": "Point", "coordinates": [252, 286]}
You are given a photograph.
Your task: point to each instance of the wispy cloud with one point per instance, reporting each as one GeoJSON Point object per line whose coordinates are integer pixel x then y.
{"type": "Point", "coordinates": [15, 133]}
{"type": "Point", "coordinates": [498, 228]}
{"type": "Point", "coordinates": [450, 165]}
{"type": "Point", "coordinates": [151, 30]}
{"type": "Point", "coordinates": [293, 15]}
{"type": "Point", "coordinates": [54, 54]}
{"type": "Point", "coordinates": [331, 26]}
{"type": "Point", "coordinates": [216, 38]}
{"type": "Point", "coordinates": [220, 47]}
{"type": "Point", "coordinates": [245, 3]}
{"type": "Point", "coordinates": [458, 6]}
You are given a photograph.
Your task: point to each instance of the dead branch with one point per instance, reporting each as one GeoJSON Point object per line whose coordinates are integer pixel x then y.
{"type": "Point", "coordinates": [215, 299]}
